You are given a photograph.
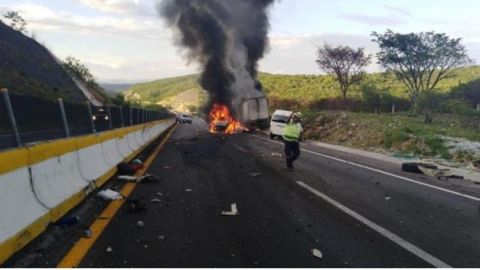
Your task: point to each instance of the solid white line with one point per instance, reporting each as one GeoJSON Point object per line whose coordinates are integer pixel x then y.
{"type": "Point", "coordinates": [383, 172]}
{"type": "Point", "coordinates": [391, 236]}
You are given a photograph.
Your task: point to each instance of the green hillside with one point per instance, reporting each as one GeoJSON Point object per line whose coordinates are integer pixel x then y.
{"type": "Point", "coordinates": [159, 90]}
{"type": "Point", "coordinates": [305, 88]}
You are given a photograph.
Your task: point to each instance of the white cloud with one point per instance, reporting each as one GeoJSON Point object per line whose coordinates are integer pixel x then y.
{"type": "Point", "coordinates": [114, 6]}
{"type": "Point", "coordinates": [41, 18]}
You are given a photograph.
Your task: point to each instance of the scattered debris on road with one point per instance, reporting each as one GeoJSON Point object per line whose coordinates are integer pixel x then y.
{"type": "Point", "coordinates": [128, 178]}
{"type": "Point", "coordinates": [159, 193]}
{"type": "Point", "coordinates": [148, 178]}
{"type": "Point", "coordinates": [161, 237]}
{"type": "Point", "coordinates": [317, 253]}
{"type": "Point", "coordinates": [68, 221]}
{"type": "Point", "coordinates": [188, 190]}
{"type": "Point", "coordinates": [255, 174]}
{"type": "Point", "coordinates": [108, 194]}
{"type": "Point", "coordinates": [232, 212]}
{"type": "Point", "coordinates": [140, 224]}
{"type": "Point", "coordinates": [387, 198]}
{"type": "Point", "coordinates": [275, 154]}
{"type": "Point", "coordinates": [167, 167]}
{"type": "Point", "coordinates": [109, 249]}
{"type": "Point", "coordinates": [136, 205]}
{"type": "Point", "coordinates": [156, 200]}
{"type": "Point", "coordinates": [87, 233]}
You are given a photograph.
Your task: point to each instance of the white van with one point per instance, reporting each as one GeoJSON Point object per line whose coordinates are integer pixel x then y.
{"type": "Point", "coordinates": [279, 122]}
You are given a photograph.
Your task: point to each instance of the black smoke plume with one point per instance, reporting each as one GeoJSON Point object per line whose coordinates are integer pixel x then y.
{"type": "Point", "coordinates": [227, 38]}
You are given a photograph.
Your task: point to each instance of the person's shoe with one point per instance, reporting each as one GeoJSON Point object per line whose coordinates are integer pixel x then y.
{"type": "Point", "coordinates": [289, 165]}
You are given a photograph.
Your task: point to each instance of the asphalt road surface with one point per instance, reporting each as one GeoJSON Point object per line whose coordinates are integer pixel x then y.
{"type": "Point", "coordinates": [365, 214]}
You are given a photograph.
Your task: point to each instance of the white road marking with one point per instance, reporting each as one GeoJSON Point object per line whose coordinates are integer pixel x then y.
{"type": "Point", "coordinates": [382, 172]}
{"type": "Point", "coordinates": [386, 233]}
{"type": "Point", "coordinates": [240, 148]}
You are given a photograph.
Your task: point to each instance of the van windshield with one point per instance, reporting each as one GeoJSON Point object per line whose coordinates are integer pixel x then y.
{"type": "Point", "coordinates": [280, 118]}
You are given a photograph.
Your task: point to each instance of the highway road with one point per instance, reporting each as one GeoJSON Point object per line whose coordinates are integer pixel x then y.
{"type": "Point", "coordinates": [357, 212]}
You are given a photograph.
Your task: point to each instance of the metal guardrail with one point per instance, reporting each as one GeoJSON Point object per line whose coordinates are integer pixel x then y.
{"type": "Point", "coordinates": [25, 119]}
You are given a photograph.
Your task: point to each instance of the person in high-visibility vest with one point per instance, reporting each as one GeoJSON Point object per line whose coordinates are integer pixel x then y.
{"type": "Point", "coordinates": [292, 134]}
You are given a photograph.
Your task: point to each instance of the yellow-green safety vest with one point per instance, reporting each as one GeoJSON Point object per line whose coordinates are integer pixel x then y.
{"type": "Point", "coordinates": [292, 132]}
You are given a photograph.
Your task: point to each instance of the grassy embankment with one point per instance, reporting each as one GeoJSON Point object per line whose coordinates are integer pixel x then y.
{"type": "Point", "coordinates": [401, 132]}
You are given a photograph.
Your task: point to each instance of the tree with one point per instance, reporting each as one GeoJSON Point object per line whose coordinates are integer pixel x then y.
{"type": "Point", "coordinates": [78, 70]}
{"type": "Point", "coordinates": [345, 63]}
{"type": "Point", "coordinates": [420, 60]}
{"type": "Point", "coordinates": [16, 21]}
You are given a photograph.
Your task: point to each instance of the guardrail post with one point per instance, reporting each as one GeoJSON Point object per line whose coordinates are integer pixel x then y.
{"type": "Point", "coordinates": [11, 116]}
{"type": "Point", "coordinates": [138, 115]}
{"type": "Point", "coordinates": [110, 126]}
{"type": "Point", "coordinates": [64, 117]}
{"type": "Point", "coordinates": [121, 116]}
{"type": "Point", "coordinates": [131, 116]}
{"type": "Point", "coordinates": [89, 107]}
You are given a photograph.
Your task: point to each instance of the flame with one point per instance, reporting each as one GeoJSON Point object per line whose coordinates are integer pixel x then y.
{"type": "Point", "coordinates": [222, 122]}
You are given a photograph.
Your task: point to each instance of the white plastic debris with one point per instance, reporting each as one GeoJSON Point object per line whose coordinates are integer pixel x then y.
{"type": "Point", "coordinates": [127, 178]}
{"type": "Point", "coordinates": [255, 174]}
{"type": "Point", "coordinates": [161, 237]}
{"type": "Point", "coordinates": [188, 190]}
{"type": "Point", "coordinates": [109, 249]}
{"type": "Point", "coordinates": [109, 194]}
{"type": "Point", "coordinates": [275, 154]}
{"type": "Point", "coordinates": [140, 224]}
{"type": "Point", "coordinates": [232, 212]}
{"type": "Point", "coordinates": [317, 253]}
{"type": "Point", "coordinates": [159, 193]}
{"type": "Point", "coordinates": [156, 200]}
{"type": "Point", "coordinates": [387, 198]}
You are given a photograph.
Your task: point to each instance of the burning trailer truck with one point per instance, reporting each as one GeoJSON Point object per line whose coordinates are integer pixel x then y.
{"type": "Point", "coordinates": [251, 113]}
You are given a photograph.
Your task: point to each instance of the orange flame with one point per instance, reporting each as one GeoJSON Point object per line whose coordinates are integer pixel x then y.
{"type": "Point", "coordinates": [222, 122]}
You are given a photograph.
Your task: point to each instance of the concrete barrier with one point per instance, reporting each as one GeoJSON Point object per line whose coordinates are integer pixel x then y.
{"type": "Point", "coordinates": [41, 183]}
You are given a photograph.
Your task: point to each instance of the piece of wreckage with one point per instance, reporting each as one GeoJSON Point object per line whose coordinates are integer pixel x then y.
{"type": "Point", "coordinates": [252, 113]}
{"type": "Point", "coordinates": [441, 171]}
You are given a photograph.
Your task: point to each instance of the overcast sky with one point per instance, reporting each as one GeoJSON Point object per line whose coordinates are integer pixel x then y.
{"type": "Point", "coordinates": [125, 40]}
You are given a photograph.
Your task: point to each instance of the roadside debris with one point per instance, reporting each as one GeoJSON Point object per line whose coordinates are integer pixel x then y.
{"type": "Point", "coordinates": [188, 190]}
{"type": "Point", "coordinates": [167, 167]}
{"type": "Point", "coordinates": [317, 253]}
{"type": "Point", "coordinates": [68, 221]}
{"type": "Point", "coordinates": [161, 237]}
{"type": "Point", "coordinates": [232, 212]}
{"type": "Point", "coordinates": [440, 172]}
{"type": "Point", "coordinates": [156, 200]}
{"type": "Point", "coordinates": [127, 178]}
{"type": "Point", "coordinates": [109, 249]}
{"type": "Point", "coordinates": [108, 194]}
{"type": "Point", "coordinates": [255, 174]}
{"type": "Point", "coordinates": [148, 178]}
{"type": "Point", "coordinates": [130, 168]}
{"type": "Point", "coordinates": [275, 154]}
{"type": "Point", "coordinates": [387, 198]}
{"type": "Point", "coordinates": [136, 206]}
{"type": "Point", "coordinates": [159, 193]}
{"type": "Point", "coordinates": [140, 224]}
{"type": "Point", "coordinates": [87, 233]}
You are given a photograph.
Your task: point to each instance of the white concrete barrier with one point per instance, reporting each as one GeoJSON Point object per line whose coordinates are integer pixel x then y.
{"type": "Point", "coordinates": [18, 205]}
{"type": "Point", "coordinates": [57, 179]}
{"type": "Point", "coordinates": [41, 183]}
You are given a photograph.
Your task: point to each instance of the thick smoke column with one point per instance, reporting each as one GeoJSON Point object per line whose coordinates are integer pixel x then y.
{"type": "Point", "coordinates": [227, 37]}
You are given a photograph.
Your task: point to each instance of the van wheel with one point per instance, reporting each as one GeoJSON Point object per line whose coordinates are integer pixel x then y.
{"type": "Point", "coordinates": [272, 137]}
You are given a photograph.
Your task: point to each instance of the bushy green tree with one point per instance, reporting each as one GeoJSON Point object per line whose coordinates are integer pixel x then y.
{"type": "Point", "coordinates": [420, 60]}
{"type": "Point", "coordinates": [347, 64]}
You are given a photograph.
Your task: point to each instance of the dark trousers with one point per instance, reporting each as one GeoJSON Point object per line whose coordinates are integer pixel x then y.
{"type": "Point", "coordinates": [292, 151]}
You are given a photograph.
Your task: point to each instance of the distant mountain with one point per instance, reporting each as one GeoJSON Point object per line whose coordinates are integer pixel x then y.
{"type": "Point", "coordinates": [28, 68]}
{"type": "Point", "coordinates": [116, 88]}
